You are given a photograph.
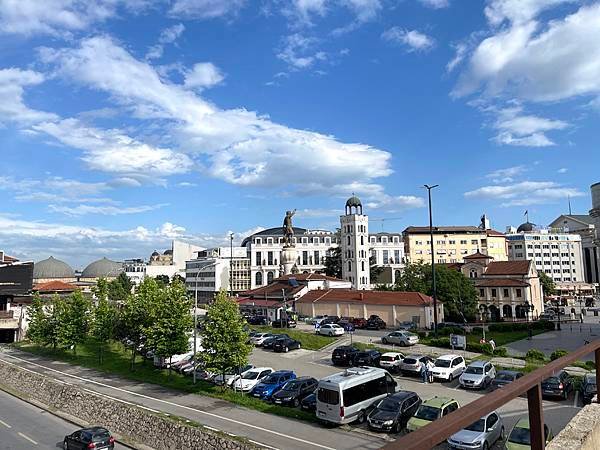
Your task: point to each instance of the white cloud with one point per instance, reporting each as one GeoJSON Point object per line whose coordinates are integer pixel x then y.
{"type": "Point", "coordinates": [364, 10]}
{"type": "Point", "coordinates": [436, 4]}
{"type": "Point", "coordinates": [563, 170]}
{"type": "Point", "coordinates": [167, 36]}
{"type": "Point", "coordinates": [301, 12]}
{"type": "Point", "coordinates": [396, 203]}
{"type": "Point", "coordinates": [203, 75]}
{"type": "Point", "coordinates": [460, 50]}
{"type": "Point", "coordinates": [525, 193]}
{"type": "Point", "coordinates": [106, 210]}
{"type": "Point", "coordinates": [318, 212]}
{"type": "Point", "coordinates": [55, 189]}
{"type": "Point", "coordinates": [413, 39]}
{"type": "Point", "coordinates": [298, 51]}
{"type": "Point", "coordinates": [522, 59]}
{"type": "Point", "coordinates": [520, 129]}
{"type": "Point", "coordinates": [205, 9]}
{"type": "Point", "coordinates": [12, 107]}
{"type": "Point", "coordinates": [507, 175]}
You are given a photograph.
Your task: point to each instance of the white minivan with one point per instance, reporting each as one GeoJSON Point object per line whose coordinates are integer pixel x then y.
{"type": "Point", "coordinates": [346, 396]}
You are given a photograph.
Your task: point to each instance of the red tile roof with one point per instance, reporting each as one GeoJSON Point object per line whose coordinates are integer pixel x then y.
{"type": "Point", "coordinates": [508, 268]}
{"type": "Point", "coordinates": [309, 277]}
{"type": "Point", "coordinates": [366, 297]}
{"type": "Point", "coordinates": [499, 282]}
{"type": "Point", "coordinates": [258, 302]}
{"type": "Point", "coordinates": [478, 255]}
{"type": "Point", "coordinates": [274, 290]}
{"type": "Point", "coordinates": [55, 286]}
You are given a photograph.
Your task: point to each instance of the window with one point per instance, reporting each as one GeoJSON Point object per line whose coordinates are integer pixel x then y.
{"type": "Point", "coordinates": [362, 266]}
{"type": "Point", "coordinates": [362, 240]}
{"type": "Point", "coordinates": [258, 258]}
{"type": "Point", "coordinates": [506, 294]}
{"type": "Point", "coordinates": [519, 255]}
{"type": "Point", "coordinates": [364, 391]}
{"type": "Point", "coordinates": [440, 242]}
{"type": "Point", "coordinates": [481, 292]}
{"type": "Point", "coordinates": [328, 396]}
{"type": "Point", "coordinates": [473, 273]}
{"type": "Point", "coordinates": [270, 258]}
{"type": "Point", "coordinates": [317, 258]}
{"type": "Point", "coordinates": [270, 241]}
{"type": "Point", "coordinates": [373, 240]}
{"type": "Point", "coordinates": [397, 256]}
{"type": "Point", "coordinates": [451, 242]}
{"type": "Point", "coordinates": [348, 240]}
{"type": "Point", "coordinates": [474, 242]}
{"type": "Point", "coordinates": [259, 279]}
{"type": "Point", "coordinates": [304, 258]}
{"type": "Point", "coordinates": [464, 242]}
{"type": "Point", "coordinates": [491, 421]}
{"type": "Point", "coordinates": [386, 257]}
{"type": "Point", "coordinates": [519, 293]}
{"type": "Point", "coordinates": [349, 266]}
{"type": "Point", "coordinates": [269, 277]}
{"type": "Point", "coordinates": [494, 292]}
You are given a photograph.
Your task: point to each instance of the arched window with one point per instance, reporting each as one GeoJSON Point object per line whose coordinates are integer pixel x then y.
{"type": "Point", "coordinates": [349, 266]}
{"type": "Point", "coordinates": [362, 265]}
{"type": "Point", "coordinates": [473, 273]}
{"type": "Point", "coordinates": [259, 279]}
{"type": "Point", "coordinates": [362, 240]}
{"type": "Point", "coordinates": [269, 277]}
{"type": "Point", "coordinates": [348, 240]}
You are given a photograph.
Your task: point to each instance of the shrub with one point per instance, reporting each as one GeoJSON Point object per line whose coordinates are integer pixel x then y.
{"type": "Point", "coordinates": [501, 351]}
{"type": "Point", "coordinates": [440, 342]}
{"type": "Point", "coordinates": [535, 355]}
{"type": "Point", "coordinates": [558, 353]}
{"type": "Point", "coordinates": [479, 348]}
{"type": "Point", "coordinates": [447, 331]}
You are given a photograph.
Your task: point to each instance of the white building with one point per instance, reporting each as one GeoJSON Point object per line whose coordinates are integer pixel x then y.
{"type": "Point", "coordinates": [210, 272]}
{"type": "Point", "coordinates": [355, 245]}
{"type": "Point", "coordinates": [387, 252]}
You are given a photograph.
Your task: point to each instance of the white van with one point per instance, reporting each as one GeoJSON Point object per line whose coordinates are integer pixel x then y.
{"type": "Point", "coordinates": [346, 396]}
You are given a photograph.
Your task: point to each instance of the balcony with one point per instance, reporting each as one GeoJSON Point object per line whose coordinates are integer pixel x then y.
{"type": "Point", "coordinates": [7, 314]}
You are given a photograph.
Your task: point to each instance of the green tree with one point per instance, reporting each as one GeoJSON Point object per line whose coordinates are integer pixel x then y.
{"type": "Point", "coordinates": [333, 263]}
{"type": "Point", "coordinates": [172, 322]}
{"type": "Point", "coordinates": [414, 278]}
{"type": "Point", "coordinates": [101, 289]}
{"type": "Point", "coordinates": [224, 337]}
{"type": "Point", "coordinates": [163, 280]}
{"type": "Point", "coordinates": [74, 321]}
{"type": "Point", "coordinates": [103, 324]}
{"type": "Point", "coordinates": [548, 285]}
{"type": "Point", "coordinates": [38, 323]}
{"type": "Point", "coordinates": [137, 314]}
{"type": "Point", "coordinates": [54, 320]}
{"type": "Point", "coordinates": [120, 288]}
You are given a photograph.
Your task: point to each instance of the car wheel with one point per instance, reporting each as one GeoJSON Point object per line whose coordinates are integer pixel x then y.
{"type": "Point", "coordinates": [65, 445]}
{"type": "Point", "coordinates": [502, 434]}
{"type": "Point", "coordinates": [397, 428]}
{"type": "Point", "coordinates": [384, 341]}
{"type": "Point", "coordinates": [361, 417]}
{"type": "Point", "coordinates": [402, 344]}
{"type": "Point", "coordinates": [286, 349]}
{"type": "Point", "coordinates": [486, 446]}
{"type": "Point", "coordinates": [296, 403]}
{"type": "Point", "coordinates": [565, 395]}
{"type": "Point", "coordinates": [450, 378]}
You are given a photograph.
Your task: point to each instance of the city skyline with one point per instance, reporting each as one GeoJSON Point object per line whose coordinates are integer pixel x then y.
{"type": "Point", "coordinates": [128, 124]}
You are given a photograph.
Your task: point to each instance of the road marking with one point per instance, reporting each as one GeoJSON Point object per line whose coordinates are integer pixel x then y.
{"type": "Point", "coordinates": [260, 444]}
{"type": "Point", "coordinates": [166, 402]}
{"type": "Point", "coordinates": [5, 424]}
{"type": "Point", "coordinates": [27, 437]}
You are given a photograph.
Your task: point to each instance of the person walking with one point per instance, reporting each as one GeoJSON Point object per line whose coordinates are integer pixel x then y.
{"type": "Point", "coordinates": [429, 368]}
{"type": "Point", "coordinates": [424, 372]}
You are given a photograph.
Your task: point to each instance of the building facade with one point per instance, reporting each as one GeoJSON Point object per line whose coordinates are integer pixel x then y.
{"type": "Point", "coordinates": [16, 283]}
{"type": "Point", "coordinates": [452, 243]}
{"type": "Point", "coordinates": [354, 226]}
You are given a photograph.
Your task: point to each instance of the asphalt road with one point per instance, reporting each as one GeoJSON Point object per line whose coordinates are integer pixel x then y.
{"type": "Point", "coordinates": [25, 427]}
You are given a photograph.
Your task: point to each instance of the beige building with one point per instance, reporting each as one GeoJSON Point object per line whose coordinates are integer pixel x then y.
{"type": "Point", "coordinates": [393, 307]}
{"type": "Point", "coordinates": [506, 288]}
{"type": "Point", "coordinates": [451, 244]}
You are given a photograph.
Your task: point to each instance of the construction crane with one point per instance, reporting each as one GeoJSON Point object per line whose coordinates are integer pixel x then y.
{"type": "Point", "coordinates": [385, 219]}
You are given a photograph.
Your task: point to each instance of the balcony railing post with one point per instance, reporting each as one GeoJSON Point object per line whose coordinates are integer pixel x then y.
{"type": "Point", "coordinates": [597, 357]}
{"type": "Point", "coordinates": [536, 417]}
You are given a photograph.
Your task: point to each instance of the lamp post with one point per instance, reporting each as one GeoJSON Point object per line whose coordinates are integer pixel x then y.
{"type": "Point", "coordinates": [529, 309]}
{"type": "Point", "coordinates": [482, 311]}
{"type": "Point", "coordinates": [230, 264]}
{"type": "Point", "coordinates": [435, 313]}
{"type": "Point", "coordinates": [558, 313]}
{"type": "Point", "coordinates": [195, 321]}
{"type": "Point", "coordinates": [283, 309]}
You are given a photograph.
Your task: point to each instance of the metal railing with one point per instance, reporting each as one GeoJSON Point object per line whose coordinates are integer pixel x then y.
{"type": "Point", "coordinates": [530, 384]}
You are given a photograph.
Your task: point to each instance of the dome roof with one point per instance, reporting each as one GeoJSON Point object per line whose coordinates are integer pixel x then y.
{"type": "Point", "coordinates": [354, 201]}
{"type": "Point", "coordinates": [102, 268]}
{"type": "Point", "coordinates": [52, 268]}
{"type": "Point", "coordinates": [525, 227]}
{"type": "Point", "coordinates": [155, 253]}
{"type": "Point", "coordinates": [168, 252]}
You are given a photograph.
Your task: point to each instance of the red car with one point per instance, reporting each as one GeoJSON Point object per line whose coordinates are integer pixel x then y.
{"type": "Point", "coordinates": [359, 322]}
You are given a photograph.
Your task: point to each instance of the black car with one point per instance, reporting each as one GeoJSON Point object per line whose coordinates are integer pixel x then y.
{"type": "Point", "coordinates": [285, 344]}
{"type": "Point", "coordinates": [367, 358]}
{"type": "Point", "coordinates": [284, 323]}
{"type": "Point", "coordinates": [392, 412]}
{"type": "Point", "coordinates": [330, 319]}
{"type": "Point", "coordinates": [270, 341]}
{"type": "Point", "coordinates": [558, 385]}
{"type": "Point", "coordinates": [294, 391]}
{"type": "Point", "coordinates": [344, 355]}
{"type": "Point", "coordinates": [258, 320]}
{"type": "Point", "coordinates": [375, 323]}
{"type": "Point", "coordinates": [504, 377]}
{"type": "Point", "coordinates": [588, 388]}
{"type": "Point", "coordinates": [94, 437]}
{"type": "Point", "coordinates": [309, 403]}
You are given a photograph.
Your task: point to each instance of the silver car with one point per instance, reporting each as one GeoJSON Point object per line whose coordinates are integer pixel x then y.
{"type": "Point", "coordinates": [411, 365]}
{"type": "Point", "coordinates": [481, 435]}
{"type": "Point", "coordinates": [478, 375]}
{"type": "Point", "coordinates": [401, 337]}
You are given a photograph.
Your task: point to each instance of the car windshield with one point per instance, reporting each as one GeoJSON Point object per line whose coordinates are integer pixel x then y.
{"type": "Point", "coordinates": [426, 412]}
{"type": "Point", "coordinates": [505, 377]}
{"type": "Point", "coordinates": [442, 363]}
{"type": "Point", "coordinates": [410, 361]}
{"type": "Point", "coordinates": [388, 405]}
{"type": "Point", "coordinates": [101, 435]}
{"type": "Point", "coordinates": [328, 396]}
{"type": "Point", "coordinates": [551, 380]}
{"type": "Point", "coordinates": [477, 426]}
{"type": "Point", "coordinates": [520, 436]}
{"type": "Point", "coordinates": [292, 386]}
{"type": "Point", "coordinates": [362, 355]}
{"type": "Point", "coordinates": [271, 379]}
{"type": "Point", "coordinates": [250, 375]}
{"type": "Point", "coordinates": [475, 370]}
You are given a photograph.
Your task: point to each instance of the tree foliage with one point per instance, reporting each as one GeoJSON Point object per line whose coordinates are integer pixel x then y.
{"type": "Point", "coordinates": [333, 263]}
{"type": "Point", "coordinates": [120, 288]}
{"type": "Point", "coordinates": [103, 323]}
{"type": "Point", "coordinates": [548, 285]}
{"type": "Point", "coordinates": [38, 323]}
{"type": "Point", "coordinates": [73, 317]}
{"type": "Point", "coordinates": [224, 337]}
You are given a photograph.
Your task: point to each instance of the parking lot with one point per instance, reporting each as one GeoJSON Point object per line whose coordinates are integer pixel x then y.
{"type": "Point", "coordinates": [318, 364]}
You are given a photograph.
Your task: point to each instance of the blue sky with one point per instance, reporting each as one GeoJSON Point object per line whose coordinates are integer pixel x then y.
{"type": "Point", "coordinates": [124, 124]}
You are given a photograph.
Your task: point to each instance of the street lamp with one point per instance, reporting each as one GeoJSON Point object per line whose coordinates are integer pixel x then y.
{"type": "Point", "coordinates": [529, 309]}
{"type": "Point", "coordinates": [195, 320]}
{"type": "Point", "coordinates": [558, 302]}
{"type": "Point", "coordinates": [483, 312]}
{"type": "Point", "coordinates": [435, 314]}
{"type": "Point", "coordinates": [230, 264]}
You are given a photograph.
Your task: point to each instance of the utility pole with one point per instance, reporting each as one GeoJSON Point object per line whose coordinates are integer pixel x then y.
{"type": "Point", "coordinates": [195, 321]}
{"type": "Point", "coordinates": [435, 312]}
{"type": "Point", "coordinates": [231, 264]}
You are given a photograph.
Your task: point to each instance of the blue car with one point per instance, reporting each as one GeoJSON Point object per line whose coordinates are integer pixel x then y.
{"type": "Point", "coordinates": [275, 381]}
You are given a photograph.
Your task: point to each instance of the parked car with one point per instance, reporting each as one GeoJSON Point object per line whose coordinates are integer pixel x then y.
{"type": "Point", "coordinates": [294, 391]}
{"type": "Point", "coordinates": [407, 325]}
{"type": "Point", "coordinates": [270, 341]}
{"type": "Point", "coordinates": [448, 367]}
{"type": "Point", "coordinates": [93, 437]}
{"type": "Point", "coordinates": [588, 388]}
{"type": "Point", "coordinates": [402, 338]}
{"type": "Point", "coordinates": [251, 378]}
{"type": "Point", "coordinates": [478, 375]}
{"type": "Point", "coordinates": [547, 316]}
{"type": "Point", "coordinates": [179, 364]}
{"type": "Point", "coordinates": [309, 403]}
{"type": "Point", "coordinates": [559, 385]}
{"type": "Point", "coordinates": [272, 383]}
{"type": "Point", "coordinates": [367, 358]}
{"type": "Point", "coordinates": [480, 435]}
{"type": "Point", "coordinates": [359, 322]}
{"type": "Point", "coordinates": [520, 436]}
{"type": "Point", "coordinates": [393, 412]}
{"type": "Point", "coordinates": [431, 410]}
{"type": "Point", "coordinates": [344, 355]}
{"type": "Point", "coordinates": [346, 324]}
{"type": "Point", "coordinates": [375, 323]}
{"type": "Point", "coordinates": [391, 361]}
{"type": "Point", "coordinates": [285, 344]}
{"type": "Point", "coordinates": [330, 329]}
{"type": "Point", "coordinates": [287, 323]}
{"type": "Point", "coordinates": [411, 365]}
{"type": "Point", "coordinates": [259, 338]}
{"type": "Point", "coordinates": [230, 374]}
{"type": "Point", "coordinates": [504, 377]}
{"type": "Point", "coordinates": [258, 320]}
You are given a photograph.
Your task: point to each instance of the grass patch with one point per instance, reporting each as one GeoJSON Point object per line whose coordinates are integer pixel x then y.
{"type": "Point", "coordinates": [308, 340]}
{"type": "Point", "coordinates": [117, 361]}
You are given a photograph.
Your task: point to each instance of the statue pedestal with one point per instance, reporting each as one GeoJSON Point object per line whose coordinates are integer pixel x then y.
{"type": "Point", "coordinates": [289, 256]}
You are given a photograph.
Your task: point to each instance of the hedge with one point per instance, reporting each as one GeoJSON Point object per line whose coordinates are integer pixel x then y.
{"type": "Point", "coordinates": [558, 353]}
{"type": "Point", "coordinates": [521, 326]}
{"type": "Point", "coordinates": [535, 355]}
{"type": "Point", "coordinates": [471, 347]}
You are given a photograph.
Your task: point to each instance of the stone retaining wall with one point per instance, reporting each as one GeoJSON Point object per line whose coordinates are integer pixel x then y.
{"type": "Point", "coordinates": [581, 433]}
{"type": "Point", "coordinates": [133, 423]}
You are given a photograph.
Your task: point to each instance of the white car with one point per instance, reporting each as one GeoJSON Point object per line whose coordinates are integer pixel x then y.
{"type": "Point", "coordinates": [259, 338]}
{"type": "Point", "coordinates": [448, 367]}
{"type": "Point", "coordinates": [330, 329]}
{"type": "Point", "coordinates": [391, 361]}
{"type": "Point", "coordinates": [231, 375]}
{"type": "Point", "coordinates": [251, 378]}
